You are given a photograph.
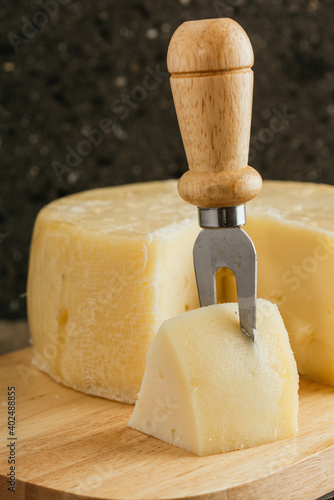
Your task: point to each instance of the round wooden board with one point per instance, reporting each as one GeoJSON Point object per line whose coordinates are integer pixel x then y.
{"type": "Point", "coordinates": [70, 446]}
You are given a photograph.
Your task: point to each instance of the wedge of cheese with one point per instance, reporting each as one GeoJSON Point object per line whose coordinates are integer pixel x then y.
{"type": "Point", "coordinates": [107, 267]}
{"type": "Point", "coordinates": [292, 227]}
{"type": "Point", "coordinates": [208, 388]}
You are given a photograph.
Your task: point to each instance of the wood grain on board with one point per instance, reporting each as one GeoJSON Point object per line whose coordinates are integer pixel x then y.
{"type": "Point", "coordinates": [70, 445]}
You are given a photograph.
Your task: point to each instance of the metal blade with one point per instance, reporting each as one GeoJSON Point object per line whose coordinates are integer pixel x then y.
{"type": "Point", "coordinates": [232, 248]}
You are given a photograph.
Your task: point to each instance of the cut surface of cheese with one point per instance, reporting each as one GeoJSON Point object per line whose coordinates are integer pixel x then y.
{"type": "Point", "coordinates": [209, 389]}
{"type": "Point", "coordinates": [107, 267]}
{"type": "Point", "coordinates": [292, 227]}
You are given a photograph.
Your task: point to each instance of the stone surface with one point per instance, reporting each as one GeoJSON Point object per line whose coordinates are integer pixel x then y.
{"type": "Point", "coordinates": [61, 79]}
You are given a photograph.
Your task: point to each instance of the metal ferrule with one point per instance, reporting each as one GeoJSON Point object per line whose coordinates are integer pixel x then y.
{"type": "Point", "coordinates": [211, 218]}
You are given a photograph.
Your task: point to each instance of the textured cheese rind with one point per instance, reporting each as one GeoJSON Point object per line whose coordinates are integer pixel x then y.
{"type": "Point", "coordinates": [209, 389]}
{"type": "Point", "coordinates": [292, 227]}
{"type": "Point", "coordinates": [106, 268]}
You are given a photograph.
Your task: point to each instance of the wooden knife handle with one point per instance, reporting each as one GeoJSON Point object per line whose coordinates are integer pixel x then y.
{"type": "Point", "coordinates": [212, 84]}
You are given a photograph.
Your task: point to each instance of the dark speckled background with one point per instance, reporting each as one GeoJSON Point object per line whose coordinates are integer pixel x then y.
{"type": "Point", "coordinates": [88, 61]}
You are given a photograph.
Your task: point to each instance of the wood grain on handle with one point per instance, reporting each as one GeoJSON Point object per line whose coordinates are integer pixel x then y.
{"type": "Point", "coordinates": [212, 85]}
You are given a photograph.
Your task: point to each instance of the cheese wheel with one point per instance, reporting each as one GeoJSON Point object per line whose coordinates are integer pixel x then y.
{"type": "Point", "coordinates": [108, 266]}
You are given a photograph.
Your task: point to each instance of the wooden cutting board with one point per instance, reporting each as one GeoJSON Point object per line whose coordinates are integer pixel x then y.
{"type": "Point", "coordinates": [70, 446]}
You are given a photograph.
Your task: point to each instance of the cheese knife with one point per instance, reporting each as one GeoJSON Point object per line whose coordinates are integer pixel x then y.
{"type": "Point", "coordinates": [212, 85]}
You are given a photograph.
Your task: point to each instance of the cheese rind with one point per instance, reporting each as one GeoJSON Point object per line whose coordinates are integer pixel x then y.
{"type": "Point", "coordinates": [209, 389]}
{"type": "Point", "coordinates": [107, 267]}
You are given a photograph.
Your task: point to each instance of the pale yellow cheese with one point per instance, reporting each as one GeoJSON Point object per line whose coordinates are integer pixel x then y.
{"type": "Point", "coordinates": [292, 227]}
{"type": "Point", "coordinates": [209, 389]}
{"type": "Point", "coordinates": [107, 267]}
